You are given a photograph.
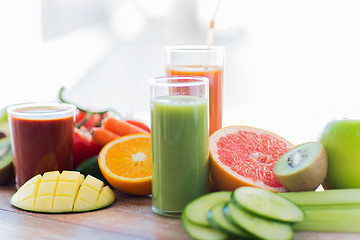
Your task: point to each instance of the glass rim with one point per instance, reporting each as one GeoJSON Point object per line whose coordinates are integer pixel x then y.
{"type": "Point", "coordinates": [65, 110]}
{"type": "Point", "coordinates": [194, 48]}
{"type": "Point", "coordinates": [165, 81]}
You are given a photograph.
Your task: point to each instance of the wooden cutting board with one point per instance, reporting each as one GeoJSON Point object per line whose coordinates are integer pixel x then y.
{"type": "Point", "coordinates": [128, 218]}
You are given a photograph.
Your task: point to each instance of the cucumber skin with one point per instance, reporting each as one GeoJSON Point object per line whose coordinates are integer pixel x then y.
{"type": "Point", "coordinates": [252, 235]}
{"type": "Point", "coordinates": [234, 201]}
{"type": "Point", "coordinates": [229, 218]}
{"type": "Point", "coordinates": [215, 198]}
{"type": "Point", "coordinates": [232, 235]}
{"type": "Point", "coordinates": [200, 232]}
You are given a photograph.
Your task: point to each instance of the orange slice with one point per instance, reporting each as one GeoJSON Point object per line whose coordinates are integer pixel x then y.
{"type": "Point", "coordinates": [126, 163]}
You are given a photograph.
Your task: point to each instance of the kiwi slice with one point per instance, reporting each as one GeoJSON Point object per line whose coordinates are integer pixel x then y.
{"type": "Point", "coordinates": [4, 129]}
{"type": "Point", "coordinates": [6, 161]}
{"type": "Point", "coordinates": [303, 168]}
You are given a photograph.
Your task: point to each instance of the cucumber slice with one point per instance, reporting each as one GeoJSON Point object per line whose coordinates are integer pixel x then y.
{"type": "Point", "coordinates": [218, 220]}
{"type": "Point", "coordinates": [200, 232]}
{"type": "Point", "coordinates": [267, 204]}
{"type": "Point", "coordinates": [196, 210]}
{"type": "Point", "coordinates": [257, 226]}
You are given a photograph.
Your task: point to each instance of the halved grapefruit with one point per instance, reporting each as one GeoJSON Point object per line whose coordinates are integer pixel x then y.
{"type": "Point", "coordinates": [246, 156]}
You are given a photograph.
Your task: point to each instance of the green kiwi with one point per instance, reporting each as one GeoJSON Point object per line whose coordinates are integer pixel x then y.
{"type": "Point", "coordinates": [4, 129]}
{"type": "Point", "coordinates": [6, 161]}
{"type": "Point", "coordinates": [303, 168]}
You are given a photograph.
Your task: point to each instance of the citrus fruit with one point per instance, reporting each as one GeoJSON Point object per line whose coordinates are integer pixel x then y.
{"type": "Point", "coordinates": [126, 163]}
{"type": "Point", "coordinates": [246, 156]}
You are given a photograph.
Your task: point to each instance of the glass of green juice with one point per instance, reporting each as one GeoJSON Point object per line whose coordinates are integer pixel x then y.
{"type": "Point", "coordinates": [179, 140]}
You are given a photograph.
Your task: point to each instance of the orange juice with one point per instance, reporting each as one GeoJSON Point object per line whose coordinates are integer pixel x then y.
{"type": "Point", "coordinates": [215, 74]}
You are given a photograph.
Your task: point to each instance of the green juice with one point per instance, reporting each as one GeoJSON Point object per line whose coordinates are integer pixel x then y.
{"type": "Point", "coordinates": [180, 167]}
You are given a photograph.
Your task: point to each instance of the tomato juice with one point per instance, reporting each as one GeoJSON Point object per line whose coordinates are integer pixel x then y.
{"type": "Point", "coordinates": [42, 139]}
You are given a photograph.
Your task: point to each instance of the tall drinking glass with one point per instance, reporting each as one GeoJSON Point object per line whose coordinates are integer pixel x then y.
{"type": "Point", "coordinates": [179, 140]}
{"type": "Point", "coordinates": [199, 60]}
{"type": "Point", "coordinates": [41, 138]}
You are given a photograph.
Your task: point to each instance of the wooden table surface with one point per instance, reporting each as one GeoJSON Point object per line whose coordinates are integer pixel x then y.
{"type": "Point", "coordinates": [128, 218]}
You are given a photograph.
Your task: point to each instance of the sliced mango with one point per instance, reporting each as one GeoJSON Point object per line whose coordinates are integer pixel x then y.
{"type": "Point", "coordinates": [66, 192]}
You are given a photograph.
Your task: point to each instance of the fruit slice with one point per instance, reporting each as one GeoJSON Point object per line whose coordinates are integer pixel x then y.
{"type": "Point", "coordinates": [267, 204]}
{"type": "Point", "coordinates": [66, 192]}
{"type": "Point", "coordinates": [246, 156]}
{"type": "Point", "coordinates": [126, 163]}
{"type": "Point", "coordinates": [303, 168]}
{"type": "Point", "coordinates": [197, 210]}
{"type": "Point", "coordinates": [259, 227]}
{"type": "Point", "coordinates": [200, 232]}
{"type": "Point", "coordinates": [218, 220]}
{"type": "Point", "coordinates": [6, 161]}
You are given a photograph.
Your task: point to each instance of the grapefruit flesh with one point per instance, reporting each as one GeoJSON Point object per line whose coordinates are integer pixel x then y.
{"type": "Point", "coordinates": [246, 156]}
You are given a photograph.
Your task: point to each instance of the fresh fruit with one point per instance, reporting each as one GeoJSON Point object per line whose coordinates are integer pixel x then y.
{"type": "Point", "coordinates": [83, 146]}
{"type": "Point", "coordinates": [196, 211]}
{"type": "Point", "coordinates": [66, 192]}
{"type": "Point", "coordinates": [3, 115]}
{"type": "Point", "coordinates": [260, 228]}
{"type": "Point", "coordinates": [6, 161]}
{"type": "Point", "coordinates": [245, 156]}
{"type": "Point", "coordinates": [91, 167]}
{"type": "Point", "coordinates": [341, 140]}
{"type": "Point", "coordinates": [4, 129]}
{"type": "Point", "coordinates": [126, 163]}
{"type": "Point", "coordinates": [4, 125]}
{"type": "Point", "coordinates": [303, 168]}
{"type": "Point", "coordinates": [267, 204]}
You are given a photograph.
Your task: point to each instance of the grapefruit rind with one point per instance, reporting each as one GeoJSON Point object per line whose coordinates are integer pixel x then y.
{"type": "Point", "coordinates": [222, 175]}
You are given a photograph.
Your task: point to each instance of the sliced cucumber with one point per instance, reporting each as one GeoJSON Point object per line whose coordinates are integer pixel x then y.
{"type": "Point", "coordinates": [257, 226]}
{"type": "Point", "coordinates": [218, 220]}
{"type": "Point", "coordinates": [202, 233]}
{"type": "Point", "coordinates": [197, 210]}
{"type": "Point", "coordinates": [267, 204]}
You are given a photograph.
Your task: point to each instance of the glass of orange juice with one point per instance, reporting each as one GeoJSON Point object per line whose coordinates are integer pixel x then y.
{"type": "Point", "coordinates": [200, 60]}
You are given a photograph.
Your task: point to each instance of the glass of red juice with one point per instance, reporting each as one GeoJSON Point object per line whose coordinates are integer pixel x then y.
{"type": "Point", "coordinates": [200, 60]}
{"type": "Point", "coordinates": [41, 138]}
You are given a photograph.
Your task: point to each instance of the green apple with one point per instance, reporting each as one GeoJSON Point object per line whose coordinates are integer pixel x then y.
{"type": "Point", "coordinates": [341, 140]}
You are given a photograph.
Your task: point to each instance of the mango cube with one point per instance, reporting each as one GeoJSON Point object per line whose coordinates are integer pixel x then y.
{"type": "Point", "coordinates": [66, 192]}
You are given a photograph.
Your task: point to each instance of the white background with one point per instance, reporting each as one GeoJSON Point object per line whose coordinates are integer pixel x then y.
{"type": "Point", "coordinates": [290, 66]}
